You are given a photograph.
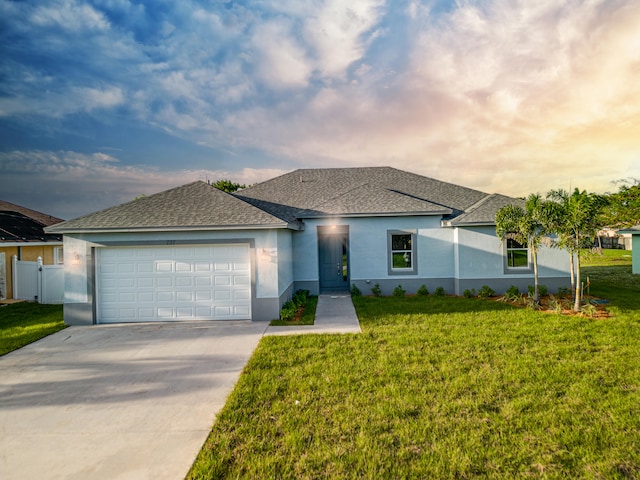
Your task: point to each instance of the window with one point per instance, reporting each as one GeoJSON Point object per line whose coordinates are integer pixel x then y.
{"type": "Point", "coordinates": [517, 255]}
{"type": "Point", "coordinates": [58, 256]}
{"type": "Point", "coordinates": [402, 253]}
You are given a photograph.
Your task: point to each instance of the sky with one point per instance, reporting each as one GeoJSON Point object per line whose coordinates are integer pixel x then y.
{"type": "Point", "coordinates": [102, 101]}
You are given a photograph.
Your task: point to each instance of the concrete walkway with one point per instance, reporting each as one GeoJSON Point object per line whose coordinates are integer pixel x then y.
{"type": "Point", "coordinates": [334, 314]}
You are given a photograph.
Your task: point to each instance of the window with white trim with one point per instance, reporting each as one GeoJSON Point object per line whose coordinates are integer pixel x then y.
{"type": "Point", "coordinates": [517, 254]}
{"type": "Point", "coordinates": [402, 253]}
{"type": "Point", "coordinates": [58, 256]}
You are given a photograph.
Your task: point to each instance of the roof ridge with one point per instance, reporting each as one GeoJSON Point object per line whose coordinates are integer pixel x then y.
{"type": "Point", "coordinates": [480, 202]}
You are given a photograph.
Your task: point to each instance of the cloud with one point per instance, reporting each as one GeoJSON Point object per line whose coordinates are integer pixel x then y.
{"type": "Point", "coordinates": [281, 61]}
{"type": "Point", "coordinates": [68, 184]}
{"type": "Point", "coordinates": [504, 96]}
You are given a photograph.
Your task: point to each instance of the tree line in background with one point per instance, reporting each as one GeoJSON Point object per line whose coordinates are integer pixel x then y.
{"type": "Point", "coordinates": [568, 220]}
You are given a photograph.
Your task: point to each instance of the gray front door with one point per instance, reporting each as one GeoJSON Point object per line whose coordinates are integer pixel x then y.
{"type": "Point", "coordinates": [334, 262]}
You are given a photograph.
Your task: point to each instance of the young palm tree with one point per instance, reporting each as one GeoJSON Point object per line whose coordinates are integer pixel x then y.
{"type": "Point", "coordinates": [527, 226]}
{"type": "Point", "coordinates": [576, 223]}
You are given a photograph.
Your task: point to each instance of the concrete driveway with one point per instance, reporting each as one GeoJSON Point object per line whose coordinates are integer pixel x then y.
{"type": "Point", "coordinates": [118, 401]}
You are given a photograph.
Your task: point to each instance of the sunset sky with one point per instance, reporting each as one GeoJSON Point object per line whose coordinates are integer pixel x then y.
{"type": "Point", "coordinates": [102, 101]}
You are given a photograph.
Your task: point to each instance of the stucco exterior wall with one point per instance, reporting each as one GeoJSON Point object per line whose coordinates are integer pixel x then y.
{"type": "Point", "coordinates": [452, 258]}
{"type": "Point", "coordinates": [368, 253]}
{"type": "Point", "coordinates": [635, 254]}
{"type": "Point", "coordinates": [480, 261]}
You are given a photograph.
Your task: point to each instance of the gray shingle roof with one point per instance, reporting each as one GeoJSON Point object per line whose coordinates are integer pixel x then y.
{"type": "Point", "coordinates": [193, 206]}
{"type": "Point", "coordinates": [360, 191]}
{"type": "Point", "coordinates": [484, 211]}
{"type": "Point", "coordinates": [284, 201]}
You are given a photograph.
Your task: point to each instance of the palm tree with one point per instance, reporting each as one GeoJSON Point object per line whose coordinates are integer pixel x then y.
{"type": "Point", "coordinates": [576, 223]}
{"type": "Point", "coordinates": [527, 226]}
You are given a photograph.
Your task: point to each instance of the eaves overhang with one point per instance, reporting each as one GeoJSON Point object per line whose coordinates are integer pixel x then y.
{"type": "Point", "coordinates": [377, 214]}
{"type": "Point", "coordinates": [158, 229]}
{"type": "Point", "coordinates": [452, 223]}
{"type": "Point", "coordinates": [52, 243]}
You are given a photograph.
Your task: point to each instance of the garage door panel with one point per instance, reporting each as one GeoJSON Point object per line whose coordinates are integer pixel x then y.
{"type": "Point", "coordinates": [173, 283]}
{"type": "Point", "coordinates": [145, 267]}
{"type": "Point", "coordinates": [184, 281]}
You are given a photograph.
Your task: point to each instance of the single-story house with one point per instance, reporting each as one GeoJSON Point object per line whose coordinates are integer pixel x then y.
{"type": "Point", "coordinates": [635, 247]}
{"type": "Point", "coordinates": [22, 235]}
{"type": "Point", "coordinates": [195, 252]}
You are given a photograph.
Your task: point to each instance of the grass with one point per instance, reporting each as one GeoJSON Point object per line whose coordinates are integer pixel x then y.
{"type": "Point", "coordinates": [24, 323]}
{"type": "Point", "coordinates": [442, 388]}
{"type": "Point", "coordinates": [307, 318]}
{"type": "Point", "coordinates": [609, 276]}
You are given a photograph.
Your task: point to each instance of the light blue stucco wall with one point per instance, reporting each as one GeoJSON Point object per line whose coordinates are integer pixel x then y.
{"type": "Point", "coordinates": [635, 253]}
{"type": "Point", "coordinates": [285, 263]}
{"type": "Point", "coordinates": [480, 256]}
{"type": "Point", "coordinates": [368, 251]}
{"type": "Point", "coordinates": [454, 258]}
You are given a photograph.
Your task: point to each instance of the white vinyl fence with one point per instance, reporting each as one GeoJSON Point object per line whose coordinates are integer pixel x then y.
{"type": "Point", "coordinates": [36, 282]}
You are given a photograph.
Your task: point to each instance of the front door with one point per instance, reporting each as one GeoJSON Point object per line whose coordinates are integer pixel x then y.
{"type": "Point", "coordinates": [334, 262]}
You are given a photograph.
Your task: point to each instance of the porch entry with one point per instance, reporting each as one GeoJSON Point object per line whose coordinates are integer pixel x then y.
{"type": "Point", "coordinates": [333, 254]}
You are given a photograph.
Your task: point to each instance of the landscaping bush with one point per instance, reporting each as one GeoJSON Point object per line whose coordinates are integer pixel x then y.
{"type": "Point", "coordinates": [376, 290]}
{"type": "Point", "coordinates": [300, 298]}
{"type": "Point", "coordinates": [512, 293]}
{"type": "Point", "coordinates": [399, 291]}
{"type": "Point", "coordinates": [288, 310]}
{"type": "Point", "coordinates": [423, 291]}
{"type": "Point", "coordinates": [564, 292]}
{"type": "Point", "coordinates": [355, 291]}
{"type": "Point", "coordinates": [439, 292]}
{"type": "Point", "coordinates": [486, 291]}
{"type": "Point", "coordinates": [469, 293]}
{"type": "Point", "coordinates": [542, 290]}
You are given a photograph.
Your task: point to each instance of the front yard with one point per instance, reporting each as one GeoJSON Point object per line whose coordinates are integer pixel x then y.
{"type": "Point", "coordinates": [442, 388]}
{"type": "Point", "coordinates": [24, 323]}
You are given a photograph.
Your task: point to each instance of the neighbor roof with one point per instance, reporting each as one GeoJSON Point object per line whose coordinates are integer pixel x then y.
{"type": "Point", "coordinates": [40, 217]}
{"type": "Point", "coordinates": [194, 206]}
{"type": "Point", "coordinates": [18, 228]}
{"type": "Point", "coordinates": [369, 191]}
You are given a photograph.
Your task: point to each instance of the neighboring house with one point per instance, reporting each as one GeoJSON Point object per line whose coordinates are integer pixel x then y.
{"type": "Point", "coordinates": [22, 234]}
{"type": "Point", "coordinates": [635, 247]}
{"type": "Point", "coordinates": [195, 252]}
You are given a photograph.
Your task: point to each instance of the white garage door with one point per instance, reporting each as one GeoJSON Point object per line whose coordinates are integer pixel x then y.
{"type": "Point", "coordinates": [142, 284]}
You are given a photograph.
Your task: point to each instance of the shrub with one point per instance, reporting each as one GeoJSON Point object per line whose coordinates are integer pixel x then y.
{"type": "Point", "coordinates": [469, 293]}
{"type": "Point", "coordinates": [564, 292]}
{"type": "Point", "coordinates": [558, 304]}
{"type": "Point", "coordinates": [288, 310]}
{"type": "Point", "coordinates": [376, 290]}
{"type": "Point", "coordinates": [512, 293]}
{"type": "Point", "coordinates": [300, 298]}
{"type": "Point", "coordinates": [589, 310]}
{"type": "Point", "coordinates": [423, 291]}
{"type": "Point", "coordinates": [355, 291]}
{"type": "Point", "coordinates": [542, 290]}
{"type": "Point", "coordinates": [486, 291]}
{"type": "Point", "coordinates": [399, 291]}
{"type": "Point", "coordinates": [439, 292]}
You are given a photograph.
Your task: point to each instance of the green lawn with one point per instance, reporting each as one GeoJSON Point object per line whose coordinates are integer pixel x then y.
{"type": "Point", "coordinates": [24, 323]}
{"type": "Point", "coordinates": [442, 388]}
